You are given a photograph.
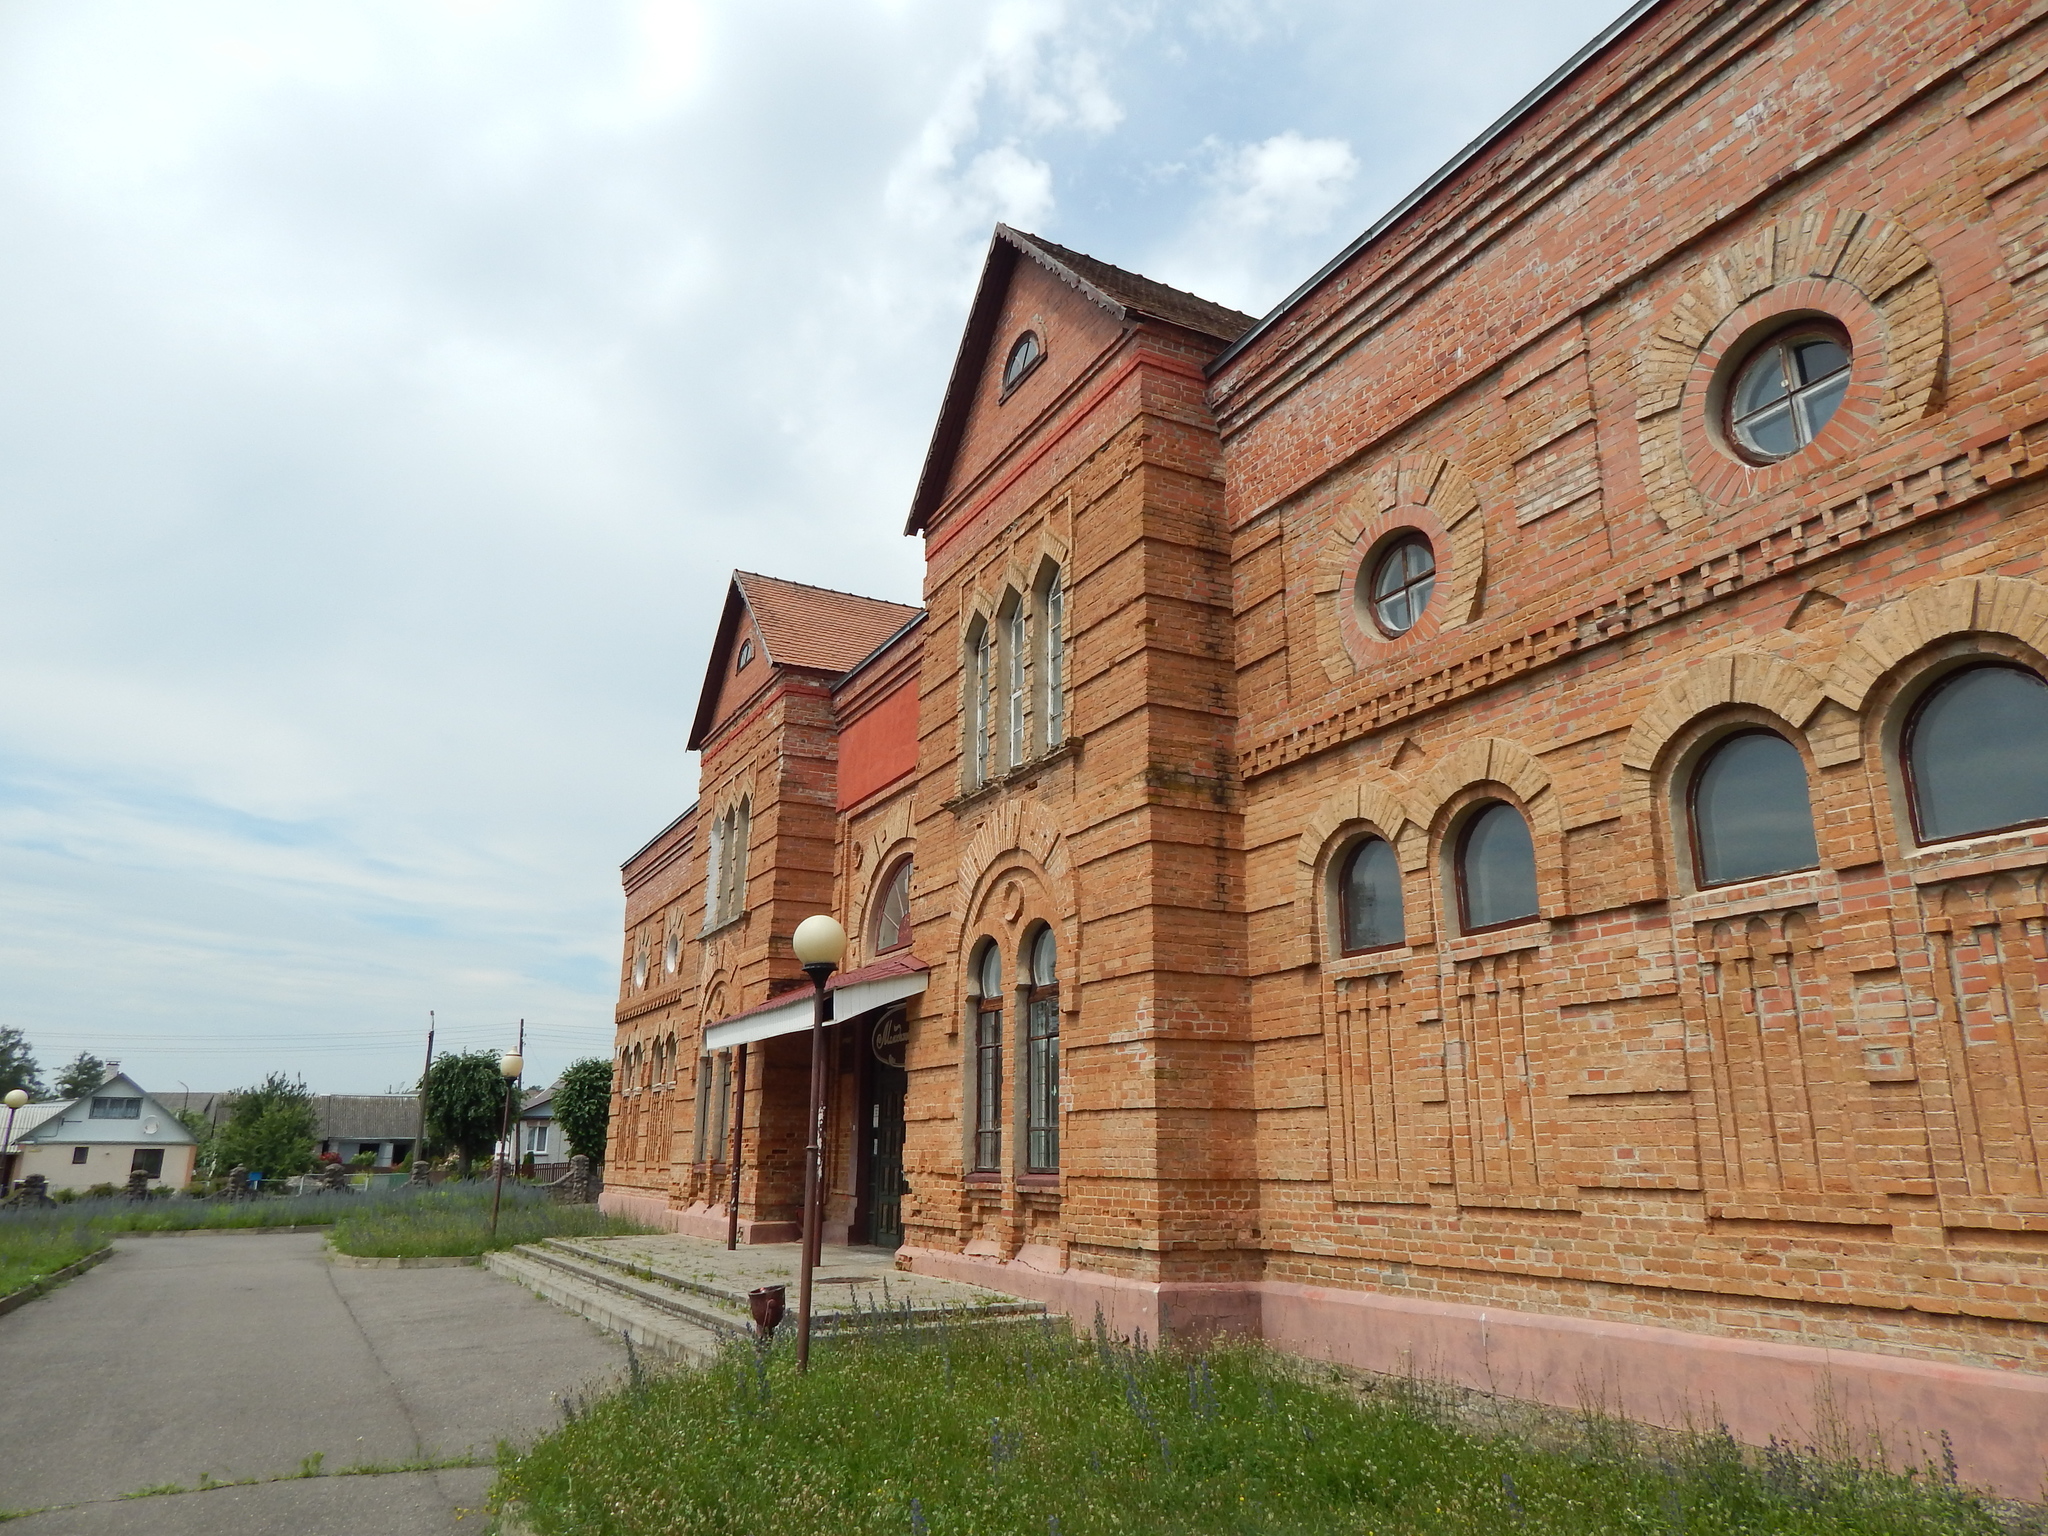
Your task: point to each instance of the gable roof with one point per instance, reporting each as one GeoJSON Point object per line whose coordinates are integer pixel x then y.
{"type": "Point", "coordinates": [1126, 296]}
{"type": "Point", "coordinates": [169, 1129]}
{"type": "Point", "coordinates": [812, 627]}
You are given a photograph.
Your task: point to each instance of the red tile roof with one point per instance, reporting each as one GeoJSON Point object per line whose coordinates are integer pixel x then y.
{"type": "Point", "coordinates": [1143, 294]}
{"type": "Point", "coordinates": [817, 627]}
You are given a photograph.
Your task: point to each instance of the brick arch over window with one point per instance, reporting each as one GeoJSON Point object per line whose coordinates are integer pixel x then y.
{"type": "Point", "coordinates": [1020, 827]}
{"type": "Point", "coordinates": [1999, 605]}
{"type": "Point", "coordinates": [1876, 259]}
{"type": "Point", "coordinates": [1368, 804]}
{"type": "Point", "coordinates": [1425, 491]}
{"type": "Point", "coordinates": [1490, 760]}
{"type": "Point", "coordinates": [1735, 677]}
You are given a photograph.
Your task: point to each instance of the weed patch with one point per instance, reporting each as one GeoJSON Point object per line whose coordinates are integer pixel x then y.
{"type": "Point", "coordinates": [1030, 1430]}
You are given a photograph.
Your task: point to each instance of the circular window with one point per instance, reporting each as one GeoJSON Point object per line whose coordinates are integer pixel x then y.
{"type": "Point", "coordinates": [1399, 582]}
{"type": "Point", "coordinates": [1786, 391]}
{"type": "Point", "coordinates": [640, 969]}
{"type": "Point", "coordinates": [672, 953]}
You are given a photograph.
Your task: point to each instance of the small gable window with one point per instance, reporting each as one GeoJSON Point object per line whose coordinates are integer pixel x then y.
{"type": "Point", "coordinates": [1025, 354]}
{"type": "Point", "coordinates": [746, 655]}
{"type": "Point", "coordinates": [115, 1109]}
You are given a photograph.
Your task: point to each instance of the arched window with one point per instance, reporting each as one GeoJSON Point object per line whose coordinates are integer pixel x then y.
{"type": "Point", "coordinates": [1013, 684]}
{"type": "Point", "coordinates": [1976, 753]}
{"type": "Point", "coordinates": [988, 1059]}
{"type": "Point", "coordinates": [1750, 812]}
{"type": "Point", "coordinates": [1042, 1057]}
{"type": "Point", "coordinates": [1052, 631]}
{"type": "Point", "coordinates": [1496, 869]}
{"type": "Point", "coordinates": [1403, 576]}
{"type": "Point", "coordinates": [980, 670]}
{"type": "Point", "coordinates": [1369, 897]}
{"type": "Point", "coordinates": [672, 953]}
{"type": "Point", "coordinates": [1024, 355]}
{"type": "Point", "coordinates": [725, 867]}
{"type": "Point", "coordinates": [892, 920]}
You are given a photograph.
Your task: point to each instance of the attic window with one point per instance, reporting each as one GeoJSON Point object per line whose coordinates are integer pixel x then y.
{"type": "Point", "coordinates": [746, 655]}
{"type": "Point", "coordinates": [116, 1109]}
{"type": "Point", "coordinates": [1025, 355]}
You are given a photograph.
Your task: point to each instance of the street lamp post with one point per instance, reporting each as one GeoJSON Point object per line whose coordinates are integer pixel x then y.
{"type": "Point", "coordinates": [510, 1065]}
{"type": "Point", "coordinates": [14, 1100]}
{"type": "Point", "coordinates": [820, 945]}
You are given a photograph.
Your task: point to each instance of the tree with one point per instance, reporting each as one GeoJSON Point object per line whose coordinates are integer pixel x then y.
{"type": "Point", "coordinates": [206, 1133]}
{"type": "Point", "coordinates": [270, 1128]}
{"type": "Point", "coordinates": [466, 1103]}
{"type": "Point", "coordinates": [583, 1106]}
{"type": "Point", "coordinates": [85, 1073]}
{"type": "Point", "coordinates": [18, 1066]}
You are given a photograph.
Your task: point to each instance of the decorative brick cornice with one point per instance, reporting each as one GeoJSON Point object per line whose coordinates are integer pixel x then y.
{"type": "Point", "coordinates": [1597, 618]}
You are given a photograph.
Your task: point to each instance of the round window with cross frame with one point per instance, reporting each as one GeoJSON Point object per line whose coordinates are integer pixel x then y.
{"type": "Point", "coordinates": [1786, 390]}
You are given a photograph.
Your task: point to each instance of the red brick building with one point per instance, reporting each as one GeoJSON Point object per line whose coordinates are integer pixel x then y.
{"type": "Point", "coordinates": [1493, 821]}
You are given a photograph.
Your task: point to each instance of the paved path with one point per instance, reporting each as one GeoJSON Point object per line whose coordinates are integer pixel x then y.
{"type": "Point", "coordinates": [237, 1357]}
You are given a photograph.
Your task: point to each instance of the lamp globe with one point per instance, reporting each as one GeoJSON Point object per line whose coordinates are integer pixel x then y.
{"type": "Point", "coordinates": [819, 940]}
{"type": "Point", "coordinates": [15, 1098]}
{"type": "Point", "coordinates": [511, 1064]}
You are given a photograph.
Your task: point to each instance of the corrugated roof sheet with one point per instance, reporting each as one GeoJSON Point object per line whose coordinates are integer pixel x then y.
{"type": "Point", "coordinates": [815, 626]}
{"type": "Point", "coordinates": [27, 1118]}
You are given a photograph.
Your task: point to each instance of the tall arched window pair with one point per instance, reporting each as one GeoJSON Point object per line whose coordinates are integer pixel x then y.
{"type": "Point", "coordinates": [1039, 998]}
{"type": "Point", "coordinates": [1016, 681]}
{"type": "Point", "coordinates": [1973, 757]}
{"type": "Point", "coordinates": [725, 869]}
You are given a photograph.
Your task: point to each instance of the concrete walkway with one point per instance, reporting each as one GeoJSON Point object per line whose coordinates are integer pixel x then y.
{"type": "Point", "coordinates": [227, 1357]}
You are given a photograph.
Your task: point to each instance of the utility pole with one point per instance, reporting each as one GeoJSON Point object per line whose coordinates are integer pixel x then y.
{"type": "Point", "coordinates": [419, 1145]}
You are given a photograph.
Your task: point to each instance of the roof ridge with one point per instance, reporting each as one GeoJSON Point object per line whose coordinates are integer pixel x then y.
{"type": "Point", "coordinates": [1137, 277]}
{"type": "Point", "coordinates": [784, 581]}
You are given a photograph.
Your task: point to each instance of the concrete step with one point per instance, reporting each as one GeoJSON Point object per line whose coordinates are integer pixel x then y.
{"type": "Point", "coordinates": [692, 1306]}
{"type": "Point", "coordinates": [654, 1330]}
{"type": "Point", "coordinates": [830, 1311]}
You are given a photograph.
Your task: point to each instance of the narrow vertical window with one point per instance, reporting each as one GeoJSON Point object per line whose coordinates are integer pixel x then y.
{"type": "Point", "coordinates": [988, 1062]}
{"type": "Point", "coordinates": [978, 681]}
{"type": "Point", "coordinates": [1054, 629]}
{"type": "Point", "coordinates": [721, 1108]}
{"type": "Point", "coordinates": [1013, 682]}
{"type": "Point", "coordinates": [1751, 815]}
{"type": "Point", "coordinates": [703, 1136]}
{"type": "Point", "coordinates": [736, 901]}
{"type": "Point", "coordinates": [1042, 1058]}
{"type": "Point", "coordinates": [714, 872]}
{"type": "Point", "coordinates": [1496, 869]}
{"type": "Point", "coordinates": [892, 924]}
{"type": "Point", "coordinates": [1369, 897]}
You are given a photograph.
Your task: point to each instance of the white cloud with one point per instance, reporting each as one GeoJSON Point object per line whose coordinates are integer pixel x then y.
{"type": "Point", "coordinates": [390, 387]}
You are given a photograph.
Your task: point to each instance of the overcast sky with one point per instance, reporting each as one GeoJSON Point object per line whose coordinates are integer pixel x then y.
{"type": "Point", "coordinates": [387, 390]}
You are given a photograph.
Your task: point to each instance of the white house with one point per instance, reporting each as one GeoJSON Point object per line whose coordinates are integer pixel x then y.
{"type": "Point", "coordinates": [100, 1137]}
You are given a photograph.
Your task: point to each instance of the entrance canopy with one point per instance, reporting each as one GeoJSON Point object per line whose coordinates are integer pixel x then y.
{"type": "Point", "coordinates": [847, 995]}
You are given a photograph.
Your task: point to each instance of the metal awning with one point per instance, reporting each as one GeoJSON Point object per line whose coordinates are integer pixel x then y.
{"type": "Point", "coordinates": [849, 995]}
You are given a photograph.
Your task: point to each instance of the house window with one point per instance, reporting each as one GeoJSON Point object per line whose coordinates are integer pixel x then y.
{"type": "Point", "coordinates": [1496, 869]}
{"type": "Point", "coordinates": [1052, 628]}
{"type": "Point", "coordinates": [672, 953]}
{"type": "Point", "coordinates": [1974, 753]}
{"type": "Point", "coordinates": [1750, 812]}
{"type": "Point", "coordinates": [1369, 897]}
{"type": "Point", "coordinates": [1402, 578]}
{"type": "Point", "coordinates": [725, 873]}
{"type": "Point", "coordinates": [537, 1139]}
{"type": "Point", "coordinates": [78, 1154]}
{"type": "Point", "coordinates": [979, 668]}
{"type": "Point", "coordinates": [746, 655]}
{"type": "Point", "coordinates": [1786, 391]}
{"type": "Point", "coordinates": [1042, 1058]}
{"type": "Point", "coordinates": [988, 1061]}
{"type": "Point", "coordinates": [115, 1109]}
{"type": "Point", "coordinates": [1013, 685]}
{"type": "Point", "coordinates": [892, 924]}
{"type": "Point", "coordinates": [1025, 353]}
{"type": "Point", "coordinates": [148, 1160]}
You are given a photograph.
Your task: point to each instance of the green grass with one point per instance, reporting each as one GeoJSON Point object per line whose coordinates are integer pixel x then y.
{"type": "Point", "coordinates": [455, 1224]}
{"type": "Point", "coordinates": [451, 1220]}
{"type": "Point", "coordinates": [36, 1255]}
{"type": "Point", "coordinates": [1028, 1431]}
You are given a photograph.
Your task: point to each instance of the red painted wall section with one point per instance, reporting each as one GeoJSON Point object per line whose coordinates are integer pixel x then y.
{"type": "Point", "coordinates": [879, 748]}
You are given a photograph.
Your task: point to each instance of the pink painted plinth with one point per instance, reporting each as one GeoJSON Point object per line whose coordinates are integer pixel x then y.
{"type": "Point", "coordinates": [1997, 1421]}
